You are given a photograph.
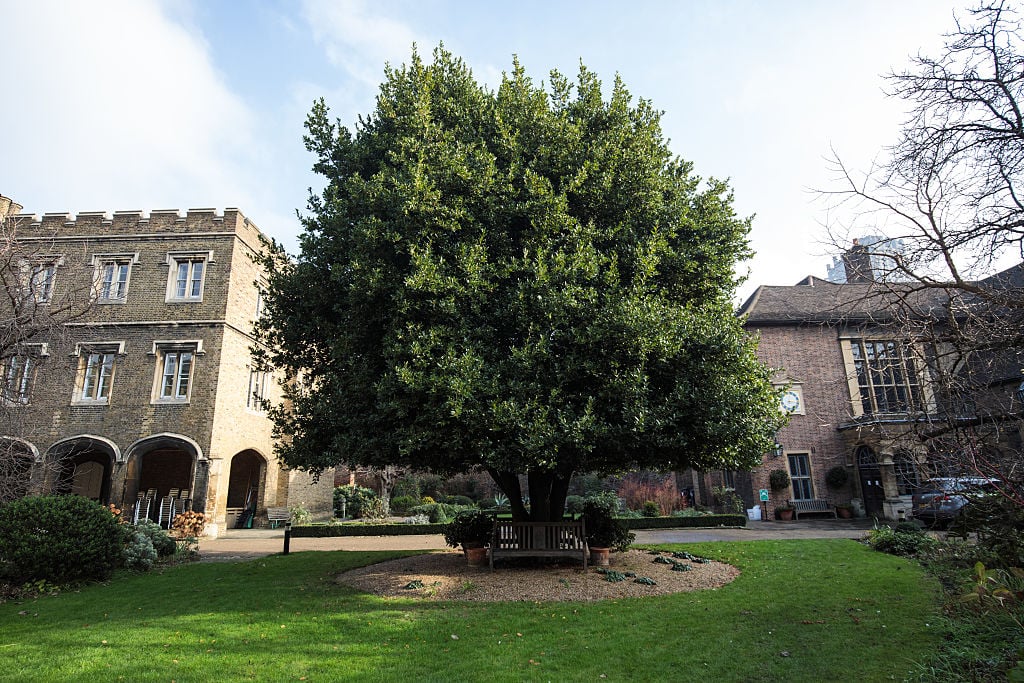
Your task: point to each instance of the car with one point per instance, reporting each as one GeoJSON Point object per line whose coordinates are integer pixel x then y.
{"type": "Point", "coordinates": [943, 500]}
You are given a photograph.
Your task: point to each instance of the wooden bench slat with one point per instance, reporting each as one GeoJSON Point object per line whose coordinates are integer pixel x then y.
{"type": "Point", "coordinates": [812, 505]}
{"type": "Point", "coordinates": [538, 539]}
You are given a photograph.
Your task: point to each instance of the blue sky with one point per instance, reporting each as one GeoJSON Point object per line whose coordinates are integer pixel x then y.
{"type": "Point", "coordinates": [149, 104]}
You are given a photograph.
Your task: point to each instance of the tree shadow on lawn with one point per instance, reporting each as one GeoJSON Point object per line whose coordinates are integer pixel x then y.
{"type": "Point", "coordinates": [800, 610]}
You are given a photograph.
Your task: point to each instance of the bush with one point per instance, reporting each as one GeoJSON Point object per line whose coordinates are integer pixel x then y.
{"type": "Point", "coordinates": [300, 515]}
{"type": "Point", "coordinates": [470, 528]}
{"type": "Point", "coordinates": [603, 530]}
{"type": "Point", "coordinates": [356, 500]}
{"type": "Point", "coordinates": [837, 477]}
{"type": "Point", "coordinates": [376, 508]}
{"type": "Point", "coordinates": [778, 480]}
{"type": "Point", "coordinates": [161, 541]}
{"type": "Point", "coordinates": [458, 500]}
{"type": "Point", "coordinates": [59, 539]}
{"type": "Point", "coordinates": [439, 513]}
{"type": "Point", "coordinates": [400, 505]}
{"type": "Point", "coordinates": [139, 553]}
{"type": "Point", "coordinates": [651, 509]}
{"type": "Point", "coordinates": [905, 543]}
{"type": "Point", "coordinates": [574, 504]}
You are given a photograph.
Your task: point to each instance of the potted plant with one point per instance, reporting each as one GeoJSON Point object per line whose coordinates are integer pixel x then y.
{"type": "Point", "coordinates": [604, 532]}
{"type": "Point", "coordinates": [472, 530]}
{"type": "Point", "coordinates": [784, 512]}
{"type": "Point", "coordinates": [844, 510]}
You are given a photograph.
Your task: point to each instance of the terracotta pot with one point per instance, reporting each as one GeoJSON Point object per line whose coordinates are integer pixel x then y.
{"type": "Point", "coordinates": [476, 556]}
{"type": "Point", "coordinates": [785, 515]}
{"type": "Point", "coordinates": [844, 512]}
{"type": "Point", "coordinates": [599, 556]}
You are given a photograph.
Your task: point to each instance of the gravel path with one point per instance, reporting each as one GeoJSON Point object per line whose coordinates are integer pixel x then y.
{"type": "Point", "coordinates": [447, 576]}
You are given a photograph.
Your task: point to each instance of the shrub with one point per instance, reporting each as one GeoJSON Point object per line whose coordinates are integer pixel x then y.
{"type": "Point", "coordinates": [356, 500]}
{"type": "Point", "coordinates": [457, 500]}
{"type": "Point", "coordinates": [603, 530]}
{"type": "Point", "coordinates": [906, 543]}
{"type": "Point", "coordinates": [139, 553]}
{"type": "Point", "coordinates": [778, 480]}
{"type": "Point", "coordinates": [574, 504]}
{"type": "Point", "coordinates": [470, 528]}
{"type": "Point", "coordinates": [59, 539]}
{"type": "Point", "coordinates": [161, 541]}
{"type": "Point", "coordinates": [376, 508]}
{"type": "Point", "coordinates": [300, 515]}
{"type": "Point", "coordinates": [837, 477]}
{"type": "Point", "coordinates": [439, 513]}
{"type": "Point", "coordinates": [651, 509]}
{"type": "Point", "coordinates": [401, 505]}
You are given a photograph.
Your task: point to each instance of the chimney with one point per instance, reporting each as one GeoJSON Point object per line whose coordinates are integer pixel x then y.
{"type": "Point", "coordinates": [8, 207]}
{"type": "Point", "coordinates": [857, 263]}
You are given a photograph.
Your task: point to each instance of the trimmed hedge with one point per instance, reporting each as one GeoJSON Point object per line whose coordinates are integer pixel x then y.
{"type": "Point", "coordinates": [329, 531]}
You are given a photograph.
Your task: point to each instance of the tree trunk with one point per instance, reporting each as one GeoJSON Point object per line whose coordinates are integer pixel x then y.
{"type": "Point", "coordinates": [548, 491]}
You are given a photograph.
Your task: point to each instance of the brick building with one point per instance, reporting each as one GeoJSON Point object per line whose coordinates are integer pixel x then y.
{"type": "Point", "coordinates": [150, 390]}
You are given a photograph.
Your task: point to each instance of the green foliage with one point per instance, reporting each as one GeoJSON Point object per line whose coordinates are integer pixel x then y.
{"type": "Point", "coordinates": [778, 480]}
{"type": "Point", "coordinates": [58, 538]}
{"type": "Point", "coordinates": [139, 553]}
{"type": "Point", "coordinates": [999, 523]}
{"type": "Point", "coordinates": [300, 515]}
{"type": "Point", "coordinates": [469, 528]}
{"type": "Point", "coordinates": [683, 522]}
{"type": "Point", "coordinates": [458, 500]}
{"type": "Point", "coordinates": [836, 477]}
{"type": "Point", "coordinates": [401, 505]}
{"type": "Point", "coordinates": [651, 509]}
{"type": "Point", "coordinates": [357, 500]}
{"type": "Point", "coordinates": [523, 280]}
{"type": "Point", "coordinates": [907, 543]}
{"type": "Point", "coordinates": [603, 529]}
{"type": "Point", "coordinates": [160, 539]}
{"type": "Point", "coordinates": [363, 529]}
{"type": "Point", "coordinates": [439, 513]}
{"type": "Point", "coordinates": [728, 499]}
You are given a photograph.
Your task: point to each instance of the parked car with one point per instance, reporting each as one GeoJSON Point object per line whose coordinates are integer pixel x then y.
{"type": "Point", "coordinates": [942, 500]}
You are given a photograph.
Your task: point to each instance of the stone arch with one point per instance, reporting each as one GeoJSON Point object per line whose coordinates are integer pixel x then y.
{"type": "Point", "coordinates": [247, 484]}
{"type": "Point", "coordinates": [83, 465]}
{"type": "Point", "coordinates": [165, 464]}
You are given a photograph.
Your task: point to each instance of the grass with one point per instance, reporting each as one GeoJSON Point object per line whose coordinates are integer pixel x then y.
{"type": "Point", "coordinates": [800, 611]}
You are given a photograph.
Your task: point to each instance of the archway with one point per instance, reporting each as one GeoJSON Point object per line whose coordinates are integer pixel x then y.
{"type": "Point", "coordinates": [246, 486]}
{"type": "Point", "coordinates": [870, 480]}
{"type": "Point", "coordinates": [160, 478]}
{"type": "Point", "coordinates": [83, 467]}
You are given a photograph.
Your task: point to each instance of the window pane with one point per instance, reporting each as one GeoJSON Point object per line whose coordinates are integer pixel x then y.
{"type": "Point", "coordinates": [182, 279]}
{"type": "Point", "coordinates": [197, 278]}
{"type": "Point", "coordinates": [184, 369]}
{"type": "Point", "coordinates": [170, 370]}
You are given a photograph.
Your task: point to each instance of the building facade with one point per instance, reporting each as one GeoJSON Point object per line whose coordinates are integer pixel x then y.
{"type": "Point", "coordinates": [147, 391]}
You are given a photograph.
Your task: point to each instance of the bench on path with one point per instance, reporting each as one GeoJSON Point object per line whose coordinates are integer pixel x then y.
{"type": "Point", "coordinates": [813, 505]}
{"type": "Point", "coordinates": [277, 515]}
{"type": "Point", "coordinates": [539, 539]}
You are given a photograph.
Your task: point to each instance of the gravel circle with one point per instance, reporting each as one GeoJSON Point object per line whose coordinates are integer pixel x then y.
{"type": "Point", "coordinates": [447, 576]}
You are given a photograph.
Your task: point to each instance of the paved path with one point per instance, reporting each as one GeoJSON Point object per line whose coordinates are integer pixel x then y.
{"type": "Point", "coordinates": [245, 544]}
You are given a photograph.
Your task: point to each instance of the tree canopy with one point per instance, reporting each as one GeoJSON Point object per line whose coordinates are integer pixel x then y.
{"type": "Point", "coordinates": [523, 280]}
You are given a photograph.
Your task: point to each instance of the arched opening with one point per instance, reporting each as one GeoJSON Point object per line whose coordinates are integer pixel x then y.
{"type": "Point", "coordinates": [246, 485]}
{"type": "Point", "coordinates": [16, 460]}
{"type": "Point", "coordinates": [160, 478]}
{"type": "Point", "coordinates": [870, 475]}
{"type": "Point", "coordinates": [83, 467]}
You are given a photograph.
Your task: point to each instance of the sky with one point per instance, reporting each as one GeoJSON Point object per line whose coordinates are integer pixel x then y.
{"type": "Point", "coordinates": [160, 104]}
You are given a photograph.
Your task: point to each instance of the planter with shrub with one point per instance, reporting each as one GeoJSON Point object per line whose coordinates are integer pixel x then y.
{"type": "Point", "coordinates": [472, 530]}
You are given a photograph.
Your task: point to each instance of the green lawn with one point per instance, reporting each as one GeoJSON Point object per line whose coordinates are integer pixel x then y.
{"type": "Point", "coordinates": [801, 611]}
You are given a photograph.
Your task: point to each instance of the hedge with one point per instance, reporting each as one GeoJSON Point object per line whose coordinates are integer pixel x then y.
{"type": "Point", "coordinates": [328, 531]}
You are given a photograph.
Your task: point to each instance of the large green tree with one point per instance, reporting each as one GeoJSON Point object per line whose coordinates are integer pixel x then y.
{"type": "Point", "coordinates": [525, 281]}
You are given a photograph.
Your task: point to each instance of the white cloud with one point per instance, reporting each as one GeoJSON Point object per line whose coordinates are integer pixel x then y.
{"type": "Point", "coordinates": [113, 105]}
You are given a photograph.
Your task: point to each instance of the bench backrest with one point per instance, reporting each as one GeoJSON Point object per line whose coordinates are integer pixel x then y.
{"type": "Point", "coordinates": [509, 535]}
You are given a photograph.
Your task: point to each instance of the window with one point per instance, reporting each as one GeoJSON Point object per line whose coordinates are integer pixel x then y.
{"type": "Point", "coordinates": [39, 278]}
{"type": "Point", "coordinates": [906, 473]}
{"type": "Point", "coordinates": [729, 479]}
{"type": "Point", "coordinates": [174, 371]}
{"type": "Point", "coordinates": [111, 276]}
{"type": "Point", "coordinates": [18, 375]}
{"type": "Point", "coordinates": [885, 377]}
{"type": "Point", "coordinates": [187, 276]}
{"type": "Point", "coordinates": [96, 372]}
{"type": "Point", "coordinates": [258, 382]}
{"type": "Point", "coordinates": [800, 476]}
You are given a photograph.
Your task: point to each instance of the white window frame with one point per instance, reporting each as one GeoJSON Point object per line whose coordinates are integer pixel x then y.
{"type": "Point", "coordinates": [170, 384]}
{"type": "Point", "coordinates": [94, 379]}
{"type": "Point", "coordinates": [191, 288]}
{"type": "Point", "coordinates": [259, 380]}
{"type": "Point", "coordinates": [32, 269]}
{"type": "Point", "coordinates": [20, 370]}
{"type": "Point", "coordinates": [102, 293]}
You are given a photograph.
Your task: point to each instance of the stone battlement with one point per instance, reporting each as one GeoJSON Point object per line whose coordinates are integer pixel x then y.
{"type": "Point", "coordinates": [162, 221]}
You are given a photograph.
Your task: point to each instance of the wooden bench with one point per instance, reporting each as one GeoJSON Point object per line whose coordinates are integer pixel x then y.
{"type": "Point", "coordinates": [801, 507]}
{"type": "Point", "coordinates": [539, 539]}
{"type": "Point", "coordinates": [277, 515]}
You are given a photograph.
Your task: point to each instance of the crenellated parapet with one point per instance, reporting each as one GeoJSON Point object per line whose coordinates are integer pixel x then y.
{"type": "Point", "coordinates": [127, 223]}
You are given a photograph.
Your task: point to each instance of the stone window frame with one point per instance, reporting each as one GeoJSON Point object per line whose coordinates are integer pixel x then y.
{"type": "Point", "coordinates": [925, 403]}
{"type": "Point", "coordinates": [163, 347]}
{"type": "Point", "coordinates": [84, 353]}
{"type": "Point", "coordinates": [800, 479]}
{"type": "Point", "coordinates": [99, 263]}
{"type": "Point", "coordinates": [259, 382]}
{"type": "Point", "coordinates": [174, 261]}
{"type": "Point", "coordinates": [23, 374]}
{"type": "Point", "coordinates": [31, 268]}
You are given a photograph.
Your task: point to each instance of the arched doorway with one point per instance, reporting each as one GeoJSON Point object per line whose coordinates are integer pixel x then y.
{"type": "Point", "coordinates": [870, 481]}
{"type": "Point", "coordinates": [246, 486]}
{"type": "Point", "coordinates": [160, 477]}
{"type": "Point", "coordinates": [83, 467]}
{"type": "Point", "coordinates": [16, 460]}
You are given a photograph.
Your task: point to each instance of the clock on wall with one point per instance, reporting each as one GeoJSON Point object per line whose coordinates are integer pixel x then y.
{"type": "Point", "coordinates": [792, 401]}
